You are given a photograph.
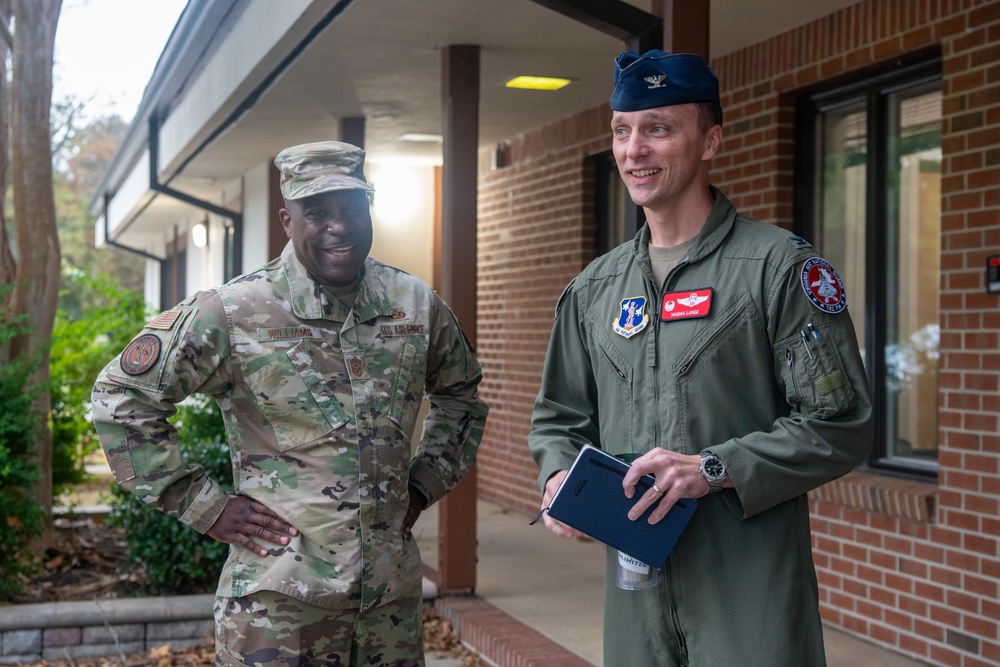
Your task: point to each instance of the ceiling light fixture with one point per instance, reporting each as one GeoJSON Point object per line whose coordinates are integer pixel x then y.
{"type": "Point", "coordinates": [199, 235]}
{"type": "Point", "coordinates": [538, 82]}
{"type": "Point", "coordinates": [427, 137]}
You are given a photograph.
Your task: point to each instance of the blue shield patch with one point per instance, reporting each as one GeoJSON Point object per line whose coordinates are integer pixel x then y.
{"type": "Point", "coordinates": [632, 317]}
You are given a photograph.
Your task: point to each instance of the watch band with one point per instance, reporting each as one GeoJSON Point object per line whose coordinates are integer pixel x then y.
{"type": "Point", "coordinates": [716, 485]}
{"type": "Point", "coordinates": [716, 479]}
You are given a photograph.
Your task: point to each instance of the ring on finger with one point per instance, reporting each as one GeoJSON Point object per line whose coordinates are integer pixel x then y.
{"type": "Point", "coordinates": [657, 489]}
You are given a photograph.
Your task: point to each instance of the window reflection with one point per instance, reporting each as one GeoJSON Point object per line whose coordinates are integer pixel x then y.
{"type": "Point", "coordinates": [914, 272]}
{"type": "Point", "coordinates": [845, 176]}
{"type": "Point", "coordinates": [891, 237]}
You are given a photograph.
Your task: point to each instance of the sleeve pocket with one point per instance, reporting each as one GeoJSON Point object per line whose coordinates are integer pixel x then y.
{"type": "Point", "coordinates": [815, 380]}
{"type": "Point", "coordinates": [117, 451]}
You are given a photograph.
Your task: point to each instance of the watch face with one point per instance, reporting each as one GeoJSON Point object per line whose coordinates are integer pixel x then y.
{"type": "Point", "coordinates": [714, 468]}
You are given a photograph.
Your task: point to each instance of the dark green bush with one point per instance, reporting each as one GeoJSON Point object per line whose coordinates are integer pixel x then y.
{"type": "Point", "coordinates": [95, 321]}
{"type": "Point", "coordinates": [20, 514]}
{"type": "Point", "coordinates": [172, 558]}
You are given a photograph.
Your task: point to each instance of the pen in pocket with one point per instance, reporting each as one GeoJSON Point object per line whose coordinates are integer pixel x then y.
{"type": "Point", "coordinates": [805, 343]}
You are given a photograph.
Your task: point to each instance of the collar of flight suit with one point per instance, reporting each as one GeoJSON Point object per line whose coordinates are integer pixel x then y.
{"type": "Point", "coordinates": [718, 225]}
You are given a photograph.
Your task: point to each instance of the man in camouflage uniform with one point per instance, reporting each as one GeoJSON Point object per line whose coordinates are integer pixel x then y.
{"type": "Point", "coordinates": [319, 362]}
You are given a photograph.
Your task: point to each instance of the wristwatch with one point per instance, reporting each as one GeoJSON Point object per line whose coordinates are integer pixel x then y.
{"type": "Point", "coordinates": [713, 470]}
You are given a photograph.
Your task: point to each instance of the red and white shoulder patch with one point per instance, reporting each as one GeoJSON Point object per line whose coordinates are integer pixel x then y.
{"type": "Point", "coordinates": [823, 286]}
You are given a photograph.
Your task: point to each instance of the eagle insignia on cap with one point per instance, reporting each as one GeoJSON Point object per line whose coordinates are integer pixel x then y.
{"type": "Point", "coordinates": [660, 79]}
{"type": "Point", "coordinates": [656, 80]}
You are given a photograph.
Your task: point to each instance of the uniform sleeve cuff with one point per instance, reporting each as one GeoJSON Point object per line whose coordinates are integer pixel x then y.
{"type": "Point", "coordinates": [551, 463]}
{"type": "Point", "coordinates": [424, 480]}
{"type": "Point", "coordinates": [206, 508]}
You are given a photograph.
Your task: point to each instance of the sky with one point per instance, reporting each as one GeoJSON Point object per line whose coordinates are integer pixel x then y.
{"type": "Point", "coordinates": [106, 51]}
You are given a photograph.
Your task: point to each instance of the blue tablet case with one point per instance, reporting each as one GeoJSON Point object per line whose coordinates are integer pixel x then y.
{"type": "Point", "coordinates": [591, 499]}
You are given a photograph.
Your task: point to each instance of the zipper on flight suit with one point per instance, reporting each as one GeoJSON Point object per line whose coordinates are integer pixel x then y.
{"type": "Point", "coordinates": [789, 362]}
{"type": "Point", "coordinates": [682, 651]}
{"type": "Point", "coordinates": [611, 361]}
{"type": "Point", "coordinates": [719, 330]}
{"type": "Point", "coordinates": [656, 338]}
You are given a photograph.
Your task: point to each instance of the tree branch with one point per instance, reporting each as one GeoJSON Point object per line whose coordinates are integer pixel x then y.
{"type": "Point", "coordinates": [5, 34]}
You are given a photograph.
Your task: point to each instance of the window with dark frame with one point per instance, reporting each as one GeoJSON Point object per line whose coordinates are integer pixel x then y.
{"type": "Point", "coordinates": [617, 218]}
{"type": "Point", "coordinates": [173, 275]}
{"type": "Point", "coordinates": [868, 197]}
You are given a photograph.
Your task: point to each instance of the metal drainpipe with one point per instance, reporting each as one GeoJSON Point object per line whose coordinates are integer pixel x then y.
{"type": "Point", "coordinates": [111, 242]}
{"type": "Point", "coordinates": [154, 140]}
{"type": "Point", "coordinates": [121, 246]}
{"type": "Point", "coordinates": [155, 185]}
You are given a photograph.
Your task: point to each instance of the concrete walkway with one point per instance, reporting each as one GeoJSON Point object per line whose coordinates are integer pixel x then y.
{"type": "Point", "coordinates": [556, 586]}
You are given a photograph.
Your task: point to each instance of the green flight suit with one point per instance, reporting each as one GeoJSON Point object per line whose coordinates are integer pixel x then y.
{"type": "Point", "coordinates": [740, 372]}
{"type": "Point", "coordinates": [320, 402]}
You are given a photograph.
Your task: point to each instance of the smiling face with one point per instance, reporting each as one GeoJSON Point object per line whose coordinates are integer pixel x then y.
{"type": "Point", "coordinates": [663, 153]}
{"type": "Point", "coordinates": [331, 233]}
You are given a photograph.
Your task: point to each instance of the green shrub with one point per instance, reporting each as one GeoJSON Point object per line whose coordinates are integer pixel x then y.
{"type": "Point", "coordinates": [95, 321]}
{"type": "Point", "coordinates": [172, 558]}
{"type": "Point", "coordinates": [20, 514]}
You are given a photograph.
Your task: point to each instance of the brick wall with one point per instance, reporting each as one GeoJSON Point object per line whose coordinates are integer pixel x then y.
{"type": "Point", "coordinates": [535, 235]}
{"type": "Point", "coordinates": [912, 566]}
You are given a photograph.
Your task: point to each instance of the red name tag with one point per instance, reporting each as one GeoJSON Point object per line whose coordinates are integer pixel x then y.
{"type": "Point", "coordinates": [686, 305]}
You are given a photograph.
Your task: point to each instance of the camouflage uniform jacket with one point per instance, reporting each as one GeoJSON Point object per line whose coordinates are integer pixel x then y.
{"type": "Point", "coordinates": [320, 403]}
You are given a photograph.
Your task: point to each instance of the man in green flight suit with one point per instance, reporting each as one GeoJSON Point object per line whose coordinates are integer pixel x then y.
{"type": "Point", "coordinates": [720, 349]}
{"type": "Point", "coordinates": [319, 361]}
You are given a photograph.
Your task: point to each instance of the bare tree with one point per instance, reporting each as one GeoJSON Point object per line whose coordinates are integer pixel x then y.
{"type": "Point", "coordinates": [37, 241]}
{"type": "Point", "coordinates": [7, 267]}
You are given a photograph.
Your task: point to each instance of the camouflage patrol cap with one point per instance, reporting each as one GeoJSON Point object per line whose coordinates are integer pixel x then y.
{"type": "Point", "coordinates": [309, 169]}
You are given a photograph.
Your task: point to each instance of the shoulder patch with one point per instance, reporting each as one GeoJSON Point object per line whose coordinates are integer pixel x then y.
{"type": "Point", "coordinates": [631, 317]}
{"type": "Point", "coordinates": [799, 242]}
{"type": "Point", "coordinates": [823, 286]}
{"type": "Point", "coordinates": [140, 355]}
{"type": "Point", "coordinates": [164, 320]}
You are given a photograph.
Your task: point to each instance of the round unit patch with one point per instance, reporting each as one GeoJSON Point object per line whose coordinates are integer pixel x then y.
{"type": "Point", "coordinates": [823, 286]}
{"type": "Point", "coordinates": [141, 354]}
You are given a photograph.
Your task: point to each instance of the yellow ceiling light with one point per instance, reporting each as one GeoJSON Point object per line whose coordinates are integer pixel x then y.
{"type": "Point", "coordinates": [538, 82]}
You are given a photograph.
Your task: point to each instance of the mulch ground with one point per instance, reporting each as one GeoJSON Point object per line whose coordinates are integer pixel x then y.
{"type": "Point", "coordinates": [88, 561]}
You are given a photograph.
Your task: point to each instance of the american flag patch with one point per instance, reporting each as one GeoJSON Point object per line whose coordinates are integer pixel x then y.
{"type": "Point", "coordinates": [164, 320]}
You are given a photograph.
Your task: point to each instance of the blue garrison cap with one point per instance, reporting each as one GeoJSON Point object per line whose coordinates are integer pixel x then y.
{"type": "Point", "coordinates": [659, 79]}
